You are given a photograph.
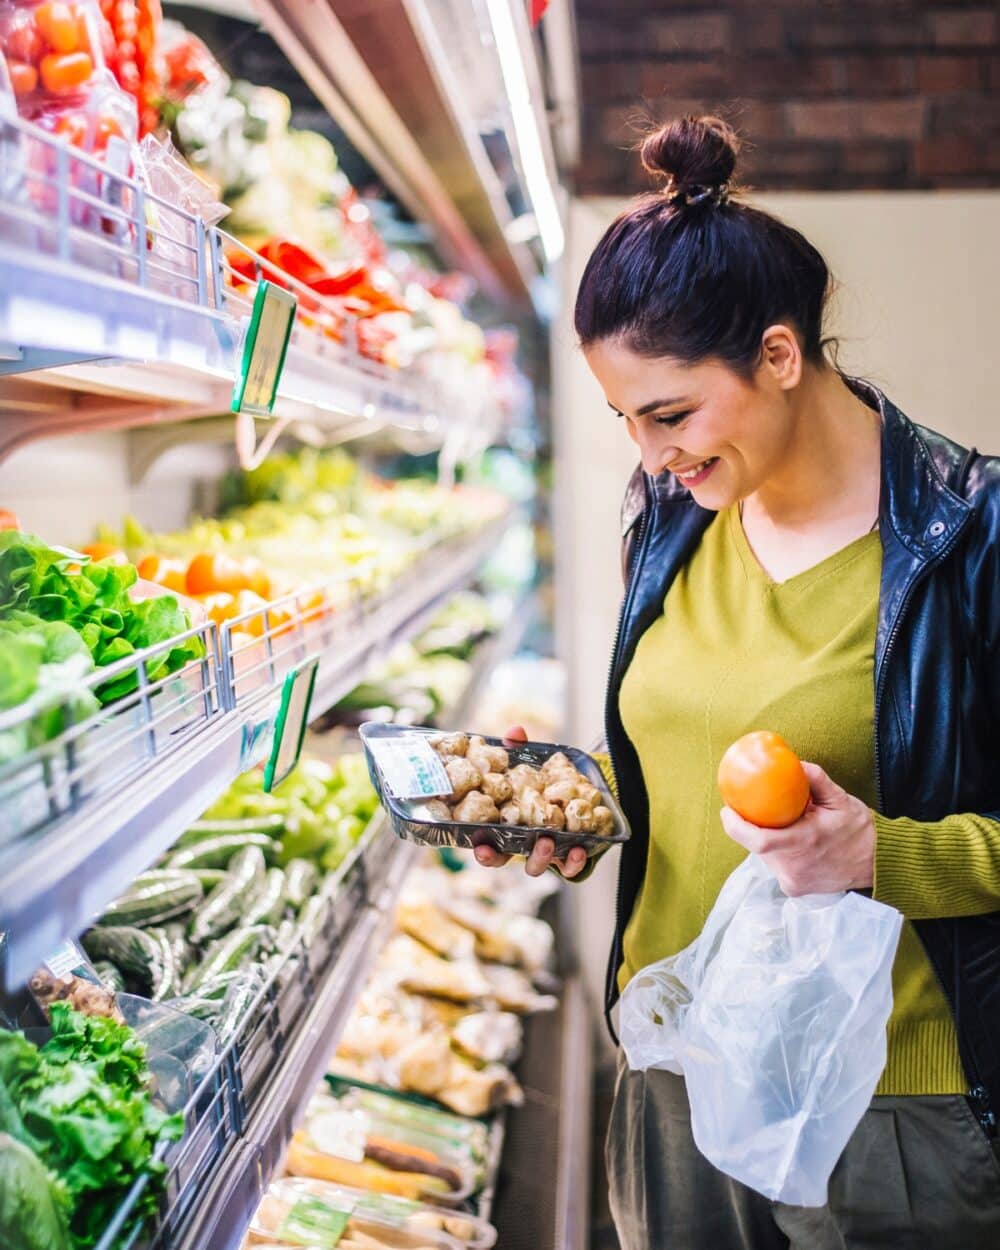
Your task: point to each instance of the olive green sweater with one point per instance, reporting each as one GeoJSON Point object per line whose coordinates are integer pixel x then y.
{"type": "Point", "coordinates": [734, 651]}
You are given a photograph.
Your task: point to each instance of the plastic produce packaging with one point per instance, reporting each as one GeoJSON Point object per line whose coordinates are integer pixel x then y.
{"type": "Point", "coordinates": [775, 1016]}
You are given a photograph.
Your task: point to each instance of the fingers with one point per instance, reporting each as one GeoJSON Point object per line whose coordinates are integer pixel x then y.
{"type": "Point", "coordinates": [740, 830]}
{"type": "Point", "coordinates": [540, 858]}
{"type": "Point", "coordinates": [490, 858]}
{"type": "Point", "coordinates": [574, 863]}
{"type": "Point", "coordinates": [515, 735]}
{"type": "Point", "coordinates": [823, 789]}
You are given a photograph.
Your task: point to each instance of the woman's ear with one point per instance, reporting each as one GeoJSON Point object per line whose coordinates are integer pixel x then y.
{"type": "Point", "coordinates": [781, 356]}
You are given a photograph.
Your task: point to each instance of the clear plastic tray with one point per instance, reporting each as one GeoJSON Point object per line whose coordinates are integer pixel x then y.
{"type": "Point", "coordinates": [410, 819]}
{"type": "Point", "coordinates": [323, 1104]}
{"type": "Point", "coordinates": [468, 1231]}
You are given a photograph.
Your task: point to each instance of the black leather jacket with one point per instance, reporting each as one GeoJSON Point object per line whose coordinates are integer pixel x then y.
{"type": "Point", "coordinates": [937, 684]}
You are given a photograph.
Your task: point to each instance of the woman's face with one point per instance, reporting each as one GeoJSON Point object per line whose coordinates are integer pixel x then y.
{"type": "Point", "coordinates": [721, 435]}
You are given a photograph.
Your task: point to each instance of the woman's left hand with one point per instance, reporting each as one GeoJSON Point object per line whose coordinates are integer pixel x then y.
{"type": "Point", "coordinates": [831, 846]}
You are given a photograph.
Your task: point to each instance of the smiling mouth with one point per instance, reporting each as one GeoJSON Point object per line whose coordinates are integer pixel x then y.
{"type": "Point", "coordinates": [697, 471]}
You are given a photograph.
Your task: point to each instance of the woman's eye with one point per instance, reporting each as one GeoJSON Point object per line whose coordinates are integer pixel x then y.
{"type": "Point", "coordinates": [675, 418]}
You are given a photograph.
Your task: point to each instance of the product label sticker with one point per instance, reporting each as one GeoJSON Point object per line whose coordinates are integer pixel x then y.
{"type": "Point", "coordinates": [66, 960]}
{"type": "Point", "coordinates": [410, 767]}
{"type": "Point", "coordinates": [313, 1222]}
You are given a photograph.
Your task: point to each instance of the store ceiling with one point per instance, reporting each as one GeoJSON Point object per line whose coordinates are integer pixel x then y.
{"type": "Point", "coordinates": [831, 94]}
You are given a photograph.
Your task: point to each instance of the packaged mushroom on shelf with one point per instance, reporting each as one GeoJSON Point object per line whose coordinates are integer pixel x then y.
{"type": "Point", "coordinates": [464, 790]}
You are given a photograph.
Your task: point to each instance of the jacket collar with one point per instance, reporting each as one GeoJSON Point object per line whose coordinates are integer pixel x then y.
{"type": "Point", "coordinates": [916, 504]}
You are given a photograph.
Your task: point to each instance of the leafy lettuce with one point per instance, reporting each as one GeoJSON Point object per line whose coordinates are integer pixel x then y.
{"type": "Point", "coordinates": [84, 1108]}
{"type": "Point", "coordinates": [61, 612]}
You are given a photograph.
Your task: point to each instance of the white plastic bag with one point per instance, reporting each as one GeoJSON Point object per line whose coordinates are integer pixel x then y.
{"type": "Point", "coordinates": [775, 1015]}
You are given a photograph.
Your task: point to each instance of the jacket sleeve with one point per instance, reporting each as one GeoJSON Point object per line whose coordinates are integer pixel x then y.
{"type": "Point", "coordinates": [930, 870]}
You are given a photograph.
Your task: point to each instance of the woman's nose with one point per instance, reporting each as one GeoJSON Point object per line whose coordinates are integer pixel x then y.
{"type": "Point", "coordinates": [655, 454]}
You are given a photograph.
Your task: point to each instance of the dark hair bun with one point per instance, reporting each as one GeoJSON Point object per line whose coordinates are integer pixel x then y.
{"type": "Point", "coordinates": [692, 153]}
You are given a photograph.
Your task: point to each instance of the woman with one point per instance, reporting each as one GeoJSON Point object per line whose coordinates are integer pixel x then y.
{"type": "Point", "coordinates": [800, 557]}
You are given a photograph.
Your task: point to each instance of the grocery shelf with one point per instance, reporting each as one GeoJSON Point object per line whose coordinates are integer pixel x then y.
{"type": "Point", "coordinates": [98, 804]}
{"type": "Point", "coordinates": [226, 1205]}
{"type": "Point", "coordinates": [89, 285]}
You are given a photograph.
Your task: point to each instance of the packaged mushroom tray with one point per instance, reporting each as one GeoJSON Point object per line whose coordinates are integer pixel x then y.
{"type": "Point", "coordinates": [465, 790]}
{"type": "Point", "coordinates": [304, 1212]}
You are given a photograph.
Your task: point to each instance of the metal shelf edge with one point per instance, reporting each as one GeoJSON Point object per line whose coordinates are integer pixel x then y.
{"type": "Point", "coordinates": [228, 1205]}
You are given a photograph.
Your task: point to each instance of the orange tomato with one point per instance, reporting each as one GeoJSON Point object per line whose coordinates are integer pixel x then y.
{"type": "Point", "coordinates": [761, 778]}
{"type": "Point", "coordinates": [73, 128]}
{"type": "Point", "coordinates": [312, 605]}
{"type": "Point", "coordinates": [219, 606]}
{"type": "Point", "coordinates": [64, 71]}
{"type": "Point", "coordinates": [257, 577]}
{"type": "Point", "coordinates": [165, 572]}
{"type": "Point", "coordinates": [105, 551]}
{"type": "Point", "coordinates": [214, 571]}
{"type": "Point", "coordinates": [8, 521]}
{"type": "Point", "coordinates": [58, 23]}
{"type": "Point", "coordinates": [250, 601]}
{"type": "Point", "coordinates": [23, 77]}
{"type": "Point", "coordinates": [24, 40]}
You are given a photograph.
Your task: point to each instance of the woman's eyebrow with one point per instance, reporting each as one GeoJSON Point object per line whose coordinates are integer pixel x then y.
{"type": "Point", "coordinates": [658, 403]}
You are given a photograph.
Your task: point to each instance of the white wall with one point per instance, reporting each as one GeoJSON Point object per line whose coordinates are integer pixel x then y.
{"type": "Point", "coordinates": [916, 313]}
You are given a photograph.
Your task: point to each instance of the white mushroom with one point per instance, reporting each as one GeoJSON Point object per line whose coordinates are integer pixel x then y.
{"type": "Point", "coordinates": [476, 809]}
{"type": "Point", "coordinates": [510, 814]}
{"type": "Point", "coordinates": [604, 821]}
{"type": "Point", "coordinates": [498, 787]}
{"type": "Point", "coordinates": [580, 816]}
{"type": "Point", "coordinates": [463, 777]}
{"type": "Point", "coordinates": [450, 744]}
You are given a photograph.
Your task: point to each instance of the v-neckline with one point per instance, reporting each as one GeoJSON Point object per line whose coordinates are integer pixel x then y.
{"type": "Point", "coordinates": [755, 571]}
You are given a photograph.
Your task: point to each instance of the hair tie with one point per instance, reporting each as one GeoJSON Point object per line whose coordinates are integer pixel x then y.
{"type": "Point", "coordinates": [697, 194]}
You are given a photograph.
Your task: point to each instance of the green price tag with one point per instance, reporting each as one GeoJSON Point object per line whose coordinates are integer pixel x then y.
{"type": "Point", "coordinates": [312, 1222]}
{"type": "Point", "coordinates": [290, 726]}
{"type": "Point", "coordinates": [264, 350]}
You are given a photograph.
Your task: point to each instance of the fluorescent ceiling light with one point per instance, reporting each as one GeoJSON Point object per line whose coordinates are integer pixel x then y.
{"type": "Point", "coordinates": [529, 140]}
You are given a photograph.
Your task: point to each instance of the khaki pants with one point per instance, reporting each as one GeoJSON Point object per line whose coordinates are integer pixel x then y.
{"type": "Point", "coordinates": [918, 1174]}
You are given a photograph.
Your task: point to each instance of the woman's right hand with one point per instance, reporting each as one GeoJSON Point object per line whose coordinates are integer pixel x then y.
{"type": "Point", "coordinates": [543, 852]}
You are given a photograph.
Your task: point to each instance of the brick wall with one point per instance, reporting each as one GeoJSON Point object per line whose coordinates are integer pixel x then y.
{"type": "Point", "coordinates": [830, 94]}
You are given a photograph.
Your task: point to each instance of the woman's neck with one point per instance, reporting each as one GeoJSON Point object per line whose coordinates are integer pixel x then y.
{"type": "Point", "coordinates": [831, 473]}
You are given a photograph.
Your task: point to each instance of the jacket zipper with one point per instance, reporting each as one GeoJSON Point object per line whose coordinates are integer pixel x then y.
{"type": "Point", "coordinates": [978, 1093]}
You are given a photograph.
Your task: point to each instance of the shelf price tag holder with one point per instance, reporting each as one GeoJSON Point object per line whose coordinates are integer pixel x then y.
{"type": "Point", "coordinates": [291, 723]}
{"type": "Point", "coordinates": [264, 350]}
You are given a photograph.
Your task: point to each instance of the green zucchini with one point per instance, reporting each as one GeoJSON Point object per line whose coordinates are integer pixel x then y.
{"type": "Point", "coordinates": [233, 951]}
{"type": "Point", "coordinates": [216, 987]}
{"type": "Point", "coordinates": [110, 975]}
{"type": "Point", "coordinates": [268, 904]}
{"type": "Point", "coordinates": [230, 900]}
{"type": "Point", "coordinates": [210, 877]}
{"type": "Point", "coordinates": [301, 880]}
{"type": "Point", "coordinates": [168, 982]}
{"type": "Point", "coordinates": [154, 897]}
{"type": "Point", "coordinates": [217, 852]}
{"type": "Point", "coordinates": [313, 917]}
{"type": "Point", "coordinates": [199, 1008]}
{"type": "Point", "coordinates": [182, 949]}
{"type": "Point", "coordinates": [203, 830]}
{"type": "Point", "coordinates": [137, 953]}
{"type": "Point", "coordinates": [235, 1007]}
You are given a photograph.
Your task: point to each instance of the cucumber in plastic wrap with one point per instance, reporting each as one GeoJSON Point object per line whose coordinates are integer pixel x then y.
{"type": "Point", "coordinates": [235, 950]}
{"type": "Point", "coordinates": [154, 897]}
{"type": "Point", "coordinates": [269, 903]}
{"type": "Point", "coordinates": [141, 955]}
{"type": "Point", "coordinates": [230, 901]}
{"type": "Point", "coordinates": [217, 852]}
{"type": "Point", "coordinates": [205, 830]}
{"type": "Point", "coordinates": [301, 882]}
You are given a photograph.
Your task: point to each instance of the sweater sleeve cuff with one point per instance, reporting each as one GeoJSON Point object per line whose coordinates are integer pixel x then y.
{"type": "Point", "coordinates": [934, 869]}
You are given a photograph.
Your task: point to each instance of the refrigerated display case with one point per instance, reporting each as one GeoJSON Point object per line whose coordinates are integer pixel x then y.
{"type": "Point", "coordinates": [122, 311]}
